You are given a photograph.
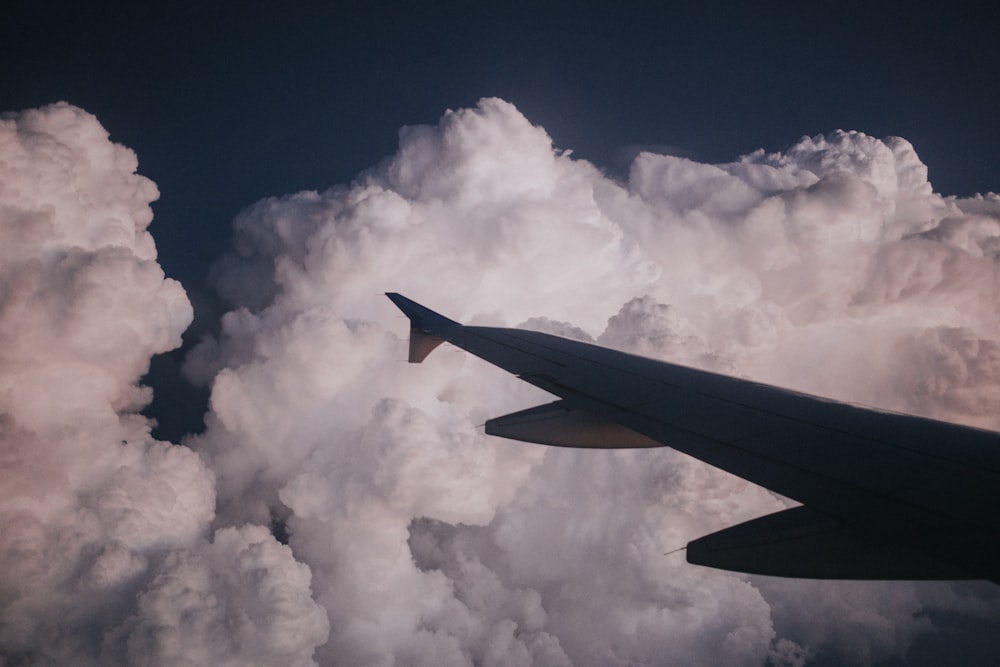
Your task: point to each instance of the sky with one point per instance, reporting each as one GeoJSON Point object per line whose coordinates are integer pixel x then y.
{"type": "Point", "coordinates": [222, 194]}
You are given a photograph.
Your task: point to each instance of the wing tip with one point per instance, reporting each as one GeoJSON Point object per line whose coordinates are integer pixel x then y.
{"type": "Point", "coordinates": [427, 328]}
{"type": "Point", "coordinates": [421, 317]}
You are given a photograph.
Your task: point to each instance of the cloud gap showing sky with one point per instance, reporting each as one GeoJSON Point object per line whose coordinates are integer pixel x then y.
{"type": "Point", "coordinates": [412, 538]}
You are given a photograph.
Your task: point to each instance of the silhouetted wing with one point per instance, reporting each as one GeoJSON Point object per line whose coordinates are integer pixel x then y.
{"type": "Point", "coordinates": [885, 495]}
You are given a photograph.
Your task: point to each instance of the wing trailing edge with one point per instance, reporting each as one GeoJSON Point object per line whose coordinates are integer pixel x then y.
{"type": "Point", "coordinates": [801, 542]}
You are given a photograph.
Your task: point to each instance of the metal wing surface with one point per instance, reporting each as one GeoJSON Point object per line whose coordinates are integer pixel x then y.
{"type": "Point", "coordinates": [884, 495]}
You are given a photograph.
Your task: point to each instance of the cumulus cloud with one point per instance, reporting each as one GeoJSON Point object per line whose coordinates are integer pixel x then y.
{"type": "Point", "coordinates": [832, 267]}
{"type": "Point", "coordinates": [412, 538]}
{"type": "Point", "coordinates": [97, 518]}
{"type": "Point", "coordinates": [241, 600]}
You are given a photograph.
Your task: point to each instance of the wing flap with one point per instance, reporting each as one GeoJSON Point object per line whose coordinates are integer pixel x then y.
{"type": "Point", "coordinates": [562, 426]}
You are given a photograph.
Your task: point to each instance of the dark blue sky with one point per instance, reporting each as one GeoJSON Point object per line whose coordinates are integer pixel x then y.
{"type": "Point", "coordinates": [226, 102]}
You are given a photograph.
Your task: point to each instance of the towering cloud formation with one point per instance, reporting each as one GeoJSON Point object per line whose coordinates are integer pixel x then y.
{"type": "Point", "coordinates": [412, 538]}
{"type": "Point", "coordinates": [832, 268]}
{"type": "Point", "coordinates": [103, 550]}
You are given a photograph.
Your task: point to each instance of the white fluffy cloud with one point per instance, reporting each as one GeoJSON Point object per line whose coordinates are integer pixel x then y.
{"type": "Point", "coordinates": [412, 537]}
{"type": "Point", "coordinates": [242, 600]}
{"type": "Point", "coordinates": [97, 519]}
{"type": "Point", "coordinates": [832, 267]}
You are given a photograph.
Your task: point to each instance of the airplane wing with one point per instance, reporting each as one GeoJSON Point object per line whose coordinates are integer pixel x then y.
{"type": "Point", "coordinates": [884, 495]}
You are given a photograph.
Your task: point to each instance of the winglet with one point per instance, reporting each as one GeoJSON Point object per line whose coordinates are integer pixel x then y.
{"type": "Point", "coordinates": [427, 328]}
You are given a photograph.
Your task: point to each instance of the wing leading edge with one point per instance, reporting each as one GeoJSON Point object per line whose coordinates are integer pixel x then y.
{"type": "Point", "coordinates": [884, 495]}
